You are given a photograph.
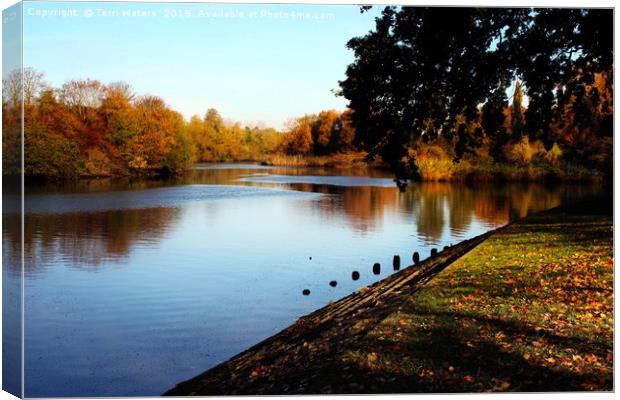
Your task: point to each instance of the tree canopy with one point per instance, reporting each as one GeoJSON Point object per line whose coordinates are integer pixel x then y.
{"type": "Point", "coordinates": [425, 72]}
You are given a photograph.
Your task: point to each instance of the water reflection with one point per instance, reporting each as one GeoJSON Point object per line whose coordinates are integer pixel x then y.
{"type": "Point", "coordinates": [83, 240]}
{"type": "Point", "coordinates": [432, 207]}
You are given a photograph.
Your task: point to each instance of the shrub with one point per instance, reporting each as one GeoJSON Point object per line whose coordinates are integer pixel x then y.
{"type": "Point", "coordinates": [434, 164]}
{"type": "Point", "coordinates": [554, 155]}
{"type": "Point", "coordinates": [520, 152]}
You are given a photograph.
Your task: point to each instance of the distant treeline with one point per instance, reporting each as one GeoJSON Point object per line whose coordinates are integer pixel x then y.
{"type": "Point", "coordinates": [86, 128]}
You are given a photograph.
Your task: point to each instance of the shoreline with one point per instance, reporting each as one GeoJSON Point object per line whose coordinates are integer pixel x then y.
{"type": "Point", "coordinates": [500, 175]}
{"type": "Point", "coordinates": [335, 349]}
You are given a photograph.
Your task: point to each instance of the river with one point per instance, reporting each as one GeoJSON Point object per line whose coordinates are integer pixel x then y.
{"type": "Point", "coordinates": [133, 286]}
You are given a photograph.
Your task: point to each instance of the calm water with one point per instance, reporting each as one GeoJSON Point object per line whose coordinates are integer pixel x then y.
{"type": "Point", "coordinates": [131, 287]}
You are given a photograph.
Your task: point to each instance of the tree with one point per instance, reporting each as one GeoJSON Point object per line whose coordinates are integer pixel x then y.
{"type": "Point", "coordinates": [420, 68]}
{"type": "Point", "coordinates": [150, 148]}
{"type": "Point", "coordinates": [28, 79]}
{"type": "Point", "coordinates": [492, 122]}
{"type": "Point", "coordinates": [49, 154]}
{"type": "Point", "coordinates": [120, 117]}
{"type": "Point", "coordinates": [12, 89]}
{"type": "Point", "coordinates": [87, 128]}
{"type": "Point", "coordinates": [583, 124]}
{"type": "Point", "coordinates": [299, 139]}
{"type": "Point", "coordinates": [214, 121]}
{"type": "Point", "coordinates": [322, 131]}
{"type": "Point", "coordinates": [197, 132]}
{"type": "Point", "coordinates": [82, 95]}
{"type": "Point", "coordinates": [121, 89]}
{"type": "Point", "coordinates": [55, 117]}
{"type": "Point", "coordinates": [343, 134]}
{"type": "Point", "coordinates": [517, 118]}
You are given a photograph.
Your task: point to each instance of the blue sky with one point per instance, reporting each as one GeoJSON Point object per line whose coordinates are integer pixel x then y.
{"type": "Point", "coordinates": [11, 43]}
{"type": "Point", "coordinates": [250, 61]}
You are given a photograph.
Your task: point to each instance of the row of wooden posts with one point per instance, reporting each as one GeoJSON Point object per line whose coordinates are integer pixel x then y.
{"type": "Point", "coordinates": [376, 268]}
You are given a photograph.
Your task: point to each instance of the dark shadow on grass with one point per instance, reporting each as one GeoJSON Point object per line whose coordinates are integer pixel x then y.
{"type": "Point", "coordinates": [516, 328]}
{"type": "Point", "coordinates": [477, 364]}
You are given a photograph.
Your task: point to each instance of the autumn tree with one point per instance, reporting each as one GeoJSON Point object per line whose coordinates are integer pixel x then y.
{"type": "Point", "coordinates": [87, 128]}
{"type": "Point", "coordinates": [214, 139]}
{"type": "Point", "coordinates": [322, 131]}
{"type": "Point", "coordinates": [214, 121]}
{"type": "Point", "coordinates": [120, 116]}
{"type": "Point", "coordinates": [52, 135]}
{"type": "Point", "coordinates": [56, 116]}
{"type": "Point", "coordinates": [50, 154]}
{"type": "Point", "coordinates": [196, 129]}
{"type": "Point", "coordinates": [330, 132]}
{"type": "Point", "coordinates": [299, 138]}
{"type": "Point", "coordinates": [583, 124]}
{"type": "Point", "coordinates": [149, 148]}
{"type": "Point", "coordinates": [218, 141]}
{"type": "Point", "coordinates": [122, 89]}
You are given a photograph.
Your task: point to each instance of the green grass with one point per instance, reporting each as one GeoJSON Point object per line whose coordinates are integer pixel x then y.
{"type": "Point", "coordinates": [531, 309]}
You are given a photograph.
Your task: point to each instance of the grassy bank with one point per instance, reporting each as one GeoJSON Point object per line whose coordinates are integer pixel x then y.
{"type": "Point", "coordinates": [529, 309]}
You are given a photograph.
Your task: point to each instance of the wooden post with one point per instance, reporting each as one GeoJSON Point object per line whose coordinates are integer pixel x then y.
{"type": "Point", "coordinates": [355, 275]}
{"type": "Point", "coordinates": [433, 252]}
{"type": "Point", "coordinates": [416, 257]}
{"type": "Point", "coordinates": [376, 269]}
{"type": "Point", "coordinates": [396, 262]}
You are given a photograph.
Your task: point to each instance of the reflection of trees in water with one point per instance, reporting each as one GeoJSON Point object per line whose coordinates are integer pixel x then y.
{"type": "Point", "coordinates": [365, 206]}
{"type": "Point", "coordinates": [430, 202]}
{"type": "Point", "coordinates": [500, 204]}
{"type": "Point", "coordinates": [431, 205]}
{"type": "Point", "coordinates": [33, 186]}
{"type": "Point", "coordinates": [362, 206]}
{"type": "Point", "coordinates": [428, 206]}
{"type": "Point", "coordinates": [491, 204]}
{"type": "Point", "coordinates": [85, 239]}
